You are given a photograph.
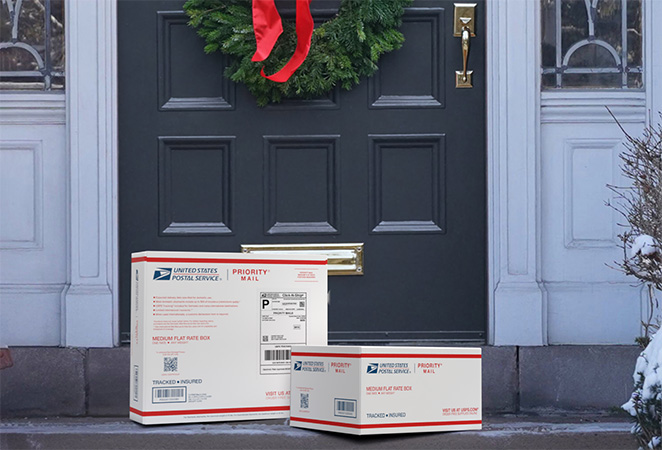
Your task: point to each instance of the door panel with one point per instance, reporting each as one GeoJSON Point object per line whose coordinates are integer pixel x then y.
{"type": "Point", "coordinates": [397, 163]}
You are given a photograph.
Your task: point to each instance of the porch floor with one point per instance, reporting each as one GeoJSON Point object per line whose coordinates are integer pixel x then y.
{"type": "Point", "coordinates": [558, 431]}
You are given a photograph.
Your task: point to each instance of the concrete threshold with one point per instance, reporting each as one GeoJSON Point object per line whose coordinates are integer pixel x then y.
{"type": "Point", "coordinates": [499, 432]}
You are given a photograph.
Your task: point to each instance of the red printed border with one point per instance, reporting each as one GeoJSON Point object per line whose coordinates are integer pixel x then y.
{"type": "Point", "coordinates": [385, 425]}
{"type": "Point", "coordinates": [209, 411]}
{"type": "Point", "coordinates": [226, 261]}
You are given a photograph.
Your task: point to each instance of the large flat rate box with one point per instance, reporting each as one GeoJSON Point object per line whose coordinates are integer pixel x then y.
{"type": "Point", "coordinates": [375, 390]}
{"type": "Point", "coordinates": [211, 333]}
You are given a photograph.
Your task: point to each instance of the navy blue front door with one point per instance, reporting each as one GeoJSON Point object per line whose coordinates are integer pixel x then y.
{"type": "Point", "coordinates": [397, 163]}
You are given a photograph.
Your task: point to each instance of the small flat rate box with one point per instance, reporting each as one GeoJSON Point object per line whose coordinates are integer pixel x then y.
{"type": "Point", "coordinates": [377, 390]}
{"type": "Point", "coordinates": [211, 333]}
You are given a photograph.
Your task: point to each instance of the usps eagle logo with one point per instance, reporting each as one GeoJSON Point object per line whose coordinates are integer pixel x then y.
{"type": "Point", "coordinates": [297, 365]}
{"type": "Point", "coordinates": [162, 274]}
{"type": "Point", "coordinates": [372, 367]}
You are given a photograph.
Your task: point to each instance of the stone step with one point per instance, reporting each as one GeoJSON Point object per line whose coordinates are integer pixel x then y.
{"type": "Point", "coordinates": [515, 379]}
{"type": "Point", "coordinates": [499, 432]}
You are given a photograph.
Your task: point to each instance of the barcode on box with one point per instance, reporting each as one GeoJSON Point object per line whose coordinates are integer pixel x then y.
{"type": "Point", "coordinates": [277, 355]}
{"type": "Point", "coordinates": [135, 383]}
{"type": "Point", "coordinates": [169, 395]}
{"type": "Point", "coordinates": [345, 407]}
{"type": "Point", "coordinates": [305, 400]}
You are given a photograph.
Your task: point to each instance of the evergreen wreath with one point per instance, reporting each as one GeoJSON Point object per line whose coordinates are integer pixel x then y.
{"type": "Point", "coordinates": [343, 49]}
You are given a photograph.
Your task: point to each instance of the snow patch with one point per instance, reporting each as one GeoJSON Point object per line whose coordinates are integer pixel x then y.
{"type": "Point", "coordinates": [644, 245]}
{"type": "Point", "coordinates": [647, 396]}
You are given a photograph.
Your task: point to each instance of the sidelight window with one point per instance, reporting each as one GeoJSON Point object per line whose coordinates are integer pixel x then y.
{"type": "Point", "coordinates": [32, 45]}
{"type": "Point", "coordinates": [592, 44]}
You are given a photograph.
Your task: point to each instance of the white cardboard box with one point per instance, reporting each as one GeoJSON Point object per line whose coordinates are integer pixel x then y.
{"type": "Point", "coordinates": [211, 333]}
{"type": "Point", "coordinates": [376, 390]}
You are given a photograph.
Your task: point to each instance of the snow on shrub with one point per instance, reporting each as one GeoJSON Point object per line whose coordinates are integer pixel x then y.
{"type": "Point", "coordinates": [645, 405]}
{"type": "Point", "coordinates": [640, 203]}
{"type": "Point", "coordinates": [644, 245]}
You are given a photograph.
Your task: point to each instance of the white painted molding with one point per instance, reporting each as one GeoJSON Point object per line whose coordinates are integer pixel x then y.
{"type": "Point", "coordinates": [517, 308]}
{"type": "Point", "coordinates": [22, 228]}
{"type": "Point", "coordinates": [32, 108]}
{"type": "Point", "coordinates": [653, 58]}
{"type": "Point", "coordinates": [607, 166]}
{"type": "Point", "coordinates": [592, 313]}
{"type": "Point", "coordinates": [29, 314]}
{"type": "Point", "coordinates": [591, 106]}
{"type": "Point", "coordinates": [19, 289]}
{"type": "Point", "coordinates": [653, 85]}
{"type": "Point", "coordinates": [90, 307]}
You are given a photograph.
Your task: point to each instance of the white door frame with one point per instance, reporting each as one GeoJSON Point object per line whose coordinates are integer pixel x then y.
{"type": "Point", "coordinates": [90, 304]}
{"type": "Point", "coordinates": [516, 299]}
{"type": "Point", "coordinates": [517, 312]}
{"type": "Point", "coordinates": [518, 307]}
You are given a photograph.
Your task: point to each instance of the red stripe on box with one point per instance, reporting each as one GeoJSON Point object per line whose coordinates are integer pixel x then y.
{"type": "Point", "coordinates": [225, 261]}
{"type": "Point", "coordinates": [210, 411]}
{"type": "Point", "coordinates": [386, 425]}
{"type": "Point", "coordinates": [386, 355]}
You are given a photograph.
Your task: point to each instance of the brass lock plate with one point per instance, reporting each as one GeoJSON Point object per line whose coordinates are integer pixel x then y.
{"type": "Point", "coordinates": [461, 81]}
{"type": "Point", "coordinates": [465, 16]}
{"type": "Point", "coordinates": [343, 259]}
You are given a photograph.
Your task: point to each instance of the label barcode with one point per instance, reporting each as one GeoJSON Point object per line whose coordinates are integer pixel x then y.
{"type": "Point", "coordinates": [345, 407]}
{"type": "Point", "coordinates": [304, 401]}
{"type": "Point", "coordinates": [277, 355]}
{"type": "Point", "coordinates": [169, 395]}
{"type": "Point", "coordinates": [168, 392]}
{"type": "Point", "coordinates": [137, 302]}
{"type": "Point", "coordinates": [135, 383]}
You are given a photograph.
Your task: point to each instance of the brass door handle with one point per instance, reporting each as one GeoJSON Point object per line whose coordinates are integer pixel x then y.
{"type": "Point", "coordinates": [464, 25]}
{"type": "Point", "coordinates": [466, 35]}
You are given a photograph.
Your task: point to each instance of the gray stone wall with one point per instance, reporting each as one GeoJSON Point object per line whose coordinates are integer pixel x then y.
{"type": "Point", "coordinates": [47, 381]}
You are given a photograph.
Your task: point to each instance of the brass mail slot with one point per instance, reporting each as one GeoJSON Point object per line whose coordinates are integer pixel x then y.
{"type": "Point", "coordinates": [343, 259]}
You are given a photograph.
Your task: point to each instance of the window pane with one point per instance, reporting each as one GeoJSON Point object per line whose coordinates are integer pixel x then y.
{"type": "Point", "coordinates": [591, 44]}
{"type": "Point", "coordinates": [32, 44]}
{"type": "Point", "coordinates": [635, 81]}
{"type": "Point", "coordinates": [602, 80]}
{"type": "Point", "coordinates": [548, 80]}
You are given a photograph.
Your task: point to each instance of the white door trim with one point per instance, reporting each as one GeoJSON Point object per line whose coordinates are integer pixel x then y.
{"type": "Point", "coordinates": [653, 59]}
{"type": "Point", "coordinates": [517, 309]}
{"type": "Point", "coordinates": [90, 306]}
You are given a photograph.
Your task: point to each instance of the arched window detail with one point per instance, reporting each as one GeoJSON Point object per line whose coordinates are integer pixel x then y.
{"type": "Point", "coordinates": [32, 45]}
{"type": "Point", "coordinates": [592, 44]}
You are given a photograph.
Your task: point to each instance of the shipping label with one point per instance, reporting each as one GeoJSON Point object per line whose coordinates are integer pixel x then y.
{"type": "Point", "coordinates": [282, 324]}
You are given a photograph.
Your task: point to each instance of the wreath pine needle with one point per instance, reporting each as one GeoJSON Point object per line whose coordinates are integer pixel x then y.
{"type": "Point", "coordinates": [343, 50]}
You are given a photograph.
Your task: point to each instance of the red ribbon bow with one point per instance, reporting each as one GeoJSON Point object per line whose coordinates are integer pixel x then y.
{"type": "Point", "coordinates": [268, 27]}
